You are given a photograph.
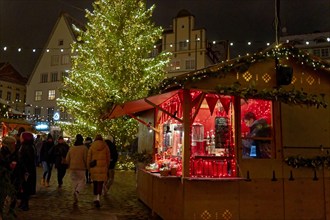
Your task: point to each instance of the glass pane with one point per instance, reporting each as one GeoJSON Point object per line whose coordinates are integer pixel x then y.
{"type": "Point", "coordinates": [256, 127]}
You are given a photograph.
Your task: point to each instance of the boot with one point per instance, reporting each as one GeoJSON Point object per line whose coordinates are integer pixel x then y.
{"type": "Point", "coordinates": [43, 181]}
{"type": "Point", "coordinates": [47, 184]}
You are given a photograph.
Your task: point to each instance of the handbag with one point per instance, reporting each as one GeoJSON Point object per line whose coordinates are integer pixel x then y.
{"type": "Point", "coordinates": [92, 163]}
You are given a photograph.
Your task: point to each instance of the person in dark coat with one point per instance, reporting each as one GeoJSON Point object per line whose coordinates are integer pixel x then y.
{"type": "Point", "coordinates": [7, 165]}
{"type": "Point", "coordinates": [27, 172]}
{"type": "Point", "coordinates": [60, 151]}
{"type": "Point", "coordinates": [112, 165]}
{"type": "Point", "coordinates": [47, 159]}
{"type": "Point", "coordinates": [252, 146]}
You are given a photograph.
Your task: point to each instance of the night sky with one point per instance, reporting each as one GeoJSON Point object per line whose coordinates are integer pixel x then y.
{"type": "Point", "coordinates": [28, 23]}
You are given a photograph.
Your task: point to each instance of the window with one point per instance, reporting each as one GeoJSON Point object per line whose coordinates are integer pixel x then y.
{"type": "Point", "coordinates": [51, 94]}
{"type": "Point", "coordinates": [44, 78]}
{"type": "Point", "coordinates": [183, 45]}
{"type": "Point", "coordinates": [55, 60]}
{"type": "Point", "coordinates": [50, 113]}
{"type": "Point", "coordinates": [317, 52]}
{"type": "Point", "coordinates": [65, 59]}
{"type": "Point", "coordinates": [37, 111]}
{"type": "Point", "coordinates": [190, 64]}
{"type": "Point", "coordinates": [63, 75]}
{"type": "Point", "coordinates": [256, 128]}
{"type": "Point", "coordinates": [60, 42]}
{"type": "Point", "coordinates": [38, 95]}
{"type": "Point", "coordinates": [17, 97]}
{"type": "Point", "coordinates": [8, 96]}
{"type": "Point", "coordinates": [175, 65]}
{"type": "Point", "coordinates": [154, 52]}
{"type": "Point", "coordinates": [324, 52]}
{"type": "Point", "coordinates": [53, 77]}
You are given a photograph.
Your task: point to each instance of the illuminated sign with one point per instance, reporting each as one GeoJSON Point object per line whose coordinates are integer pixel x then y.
{"type": "Point", "coordinates": [56, 116]}
{"type": "Point", "coordinates": [42, 127]}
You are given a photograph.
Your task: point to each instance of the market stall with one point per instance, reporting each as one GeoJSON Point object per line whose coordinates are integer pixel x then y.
{"type": "Point", "coordinates": [220, 142]}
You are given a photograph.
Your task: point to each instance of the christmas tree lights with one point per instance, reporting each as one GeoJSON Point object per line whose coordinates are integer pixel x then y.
{"type": "Point", "coordinates": [112, 65]}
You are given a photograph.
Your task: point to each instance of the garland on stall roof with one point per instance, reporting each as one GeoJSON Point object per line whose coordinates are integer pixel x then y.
{"type": "Point", "coordinates": [292, 96]}
{"type": "Point", "coordinates": [315, 162]}
{"type": "Point", "coordinates": [241, 64]}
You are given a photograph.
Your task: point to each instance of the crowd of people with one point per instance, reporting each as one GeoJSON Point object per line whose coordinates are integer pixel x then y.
{"type": "Point", "coordinates": [87, 161]}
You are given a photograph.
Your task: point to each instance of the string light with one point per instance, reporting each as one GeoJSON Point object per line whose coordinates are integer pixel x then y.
{"type": "Point", "coordinates": [230, 43]}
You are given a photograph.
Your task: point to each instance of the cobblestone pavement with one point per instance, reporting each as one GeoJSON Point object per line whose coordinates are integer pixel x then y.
{"type": "Point", "coordinates": [121, 203]}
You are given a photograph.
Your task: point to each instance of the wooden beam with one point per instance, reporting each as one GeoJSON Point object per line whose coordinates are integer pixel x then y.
{"type": "Point", "coordinates": [163, 110]}
{"type": "Point", "coordinates": [143, 122]}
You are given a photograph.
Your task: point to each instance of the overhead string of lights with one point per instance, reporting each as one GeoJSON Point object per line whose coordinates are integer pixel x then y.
{"type": "Point", "coordinates": [64, 49]}
{"type": "Point", "coordinates": [8, 48]}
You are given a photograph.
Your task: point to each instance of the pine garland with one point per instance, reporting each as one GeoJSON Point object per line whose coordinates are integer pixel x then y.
{"type": "Point", "coordinates": [315, 162]}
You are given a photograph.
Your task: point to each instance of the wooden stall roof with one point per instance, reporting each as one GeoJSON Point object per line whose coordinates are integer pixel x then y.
{"type": "Point", "coordinates": [138, 105]}
{"type": "Point", "coordinates": [251, 76]}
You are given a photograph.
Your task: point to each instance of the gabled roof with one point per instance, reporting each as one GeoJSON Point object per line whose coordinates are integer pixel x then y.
{"type": "Point", "coordinates": [9, 74]}
{"type": "Point", "coordinates": [70, 21]}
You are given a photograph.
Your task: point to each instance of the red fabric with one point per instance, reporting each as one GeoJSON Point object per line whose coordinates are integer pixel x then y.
{"type": "Point", "coordinates": [211, 100]}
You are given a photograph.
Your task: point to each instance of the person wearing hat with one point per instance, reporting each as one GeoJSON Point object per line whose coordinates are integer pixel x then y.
{"type": "Point", "coordinates": [60, 151]}
{"type": "Point", "coordinates": [27, 171]}
{"type": "Point", "coordinates": [77, 164]}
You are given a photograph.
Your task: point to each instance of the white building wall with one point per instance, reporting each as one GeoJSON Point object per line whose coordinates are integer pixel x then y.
{"type": "Point", "coordinates": [58, 46]}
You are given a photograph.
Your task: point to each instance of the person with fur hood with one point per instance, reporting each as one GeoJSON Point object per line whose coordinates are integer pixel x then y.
{"type": "Point", "coordinates": [98, 160]}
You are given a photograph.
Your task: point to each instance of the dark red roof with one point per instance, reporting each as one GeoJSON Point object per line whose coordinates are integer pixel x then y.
{"type": "Point", "coordinates": [9, 74]}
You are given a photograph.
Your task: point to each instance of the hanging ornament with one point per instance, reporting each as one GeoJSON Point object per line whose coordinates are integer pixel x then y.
{"type": "Point", "coordinates": [225, 101]}
{"type": "Point", "coordinates": [211, 100]}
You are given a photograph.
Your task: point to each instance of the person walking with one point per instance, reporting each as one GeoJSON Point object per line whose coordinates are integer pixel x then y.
{"type": "Point", "coordinates": [38, 143]}
{"type": "Point", "coordinates": [88, 142]}
{"type": "Point", "coordinates": [77, 164]}
{"type": "Point", "coordinates": [98, 161]}
{"type": "Point", "coordinates": [7, 165]}
{"type": "Point", "coordinates": [60, 151]}
{"type": "Point", "coordinates": [111, 169]}
{"type": "Point", "coordinates": [27, 170]}
{"type": "Point", "coordinates": [47, 159]}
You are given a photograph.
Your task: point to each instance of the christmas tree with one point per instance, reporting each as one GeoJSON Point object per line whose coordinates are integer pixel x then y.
{"type": "Point", "coordinates": [112, 64]}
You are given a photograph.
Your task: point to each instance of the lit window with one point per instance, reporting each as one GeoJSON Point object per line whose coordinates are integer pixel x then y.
{"type": "Point", "coordinates": [44, 77]}
{"type": "Point", "coordinates": [38, 95]}
{"type": "Point", "coordinates": [51, 94]}
{"type": "Point", "coordinates": [55, 60]}
{"type": "Point", "coordinates": [256, 128]}
{"type": "Point", "coordinates": [175, 65]}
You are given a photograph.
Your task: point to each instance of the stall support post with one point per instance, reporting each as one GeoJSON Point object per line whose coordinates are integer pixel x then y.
{"type": "Point", "coordinates": [187, 130]}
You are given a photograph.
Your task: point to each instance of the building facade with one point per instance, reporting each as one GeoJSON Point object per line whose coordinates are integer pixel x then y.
{"type": "Point", "coordinates": [189, 46]}
{"type": "Point", "coordinates": [317, 44]}
{"type": "Point", "coordinates": [12, 89]}
{"type": "Point", "coordinates": [43, 87]}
